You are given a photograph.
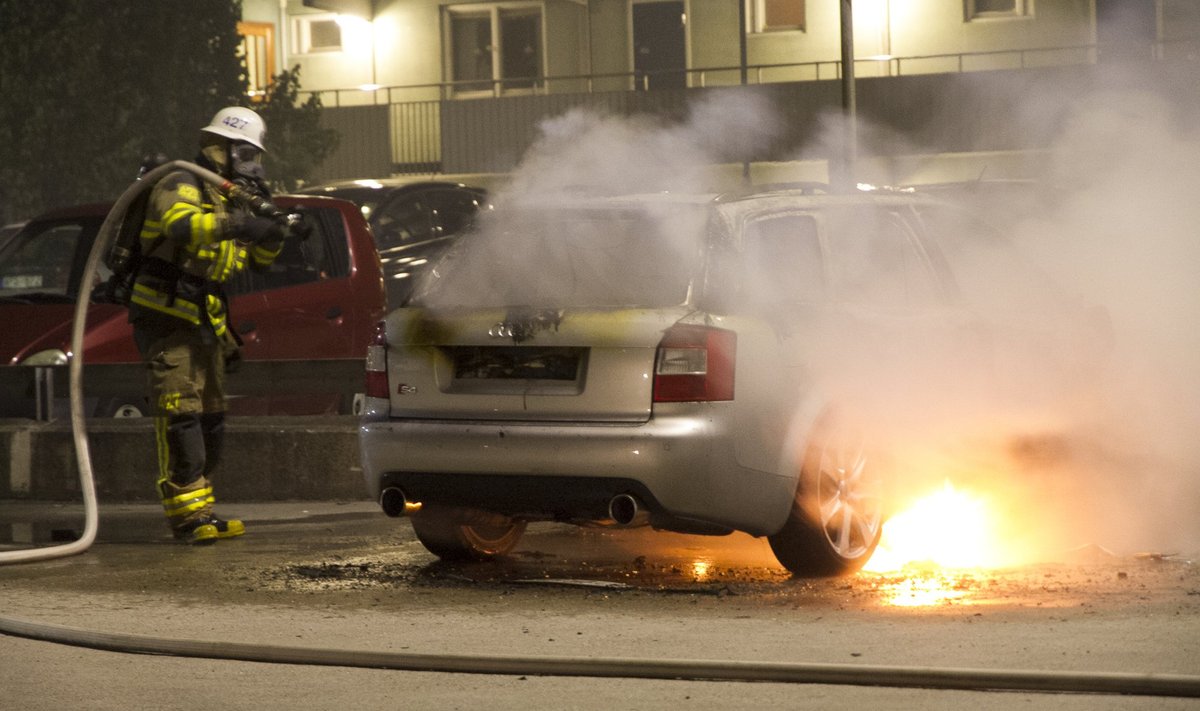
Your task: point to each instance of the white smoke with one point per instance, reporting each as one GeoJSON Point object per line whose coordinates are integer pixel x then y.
{"type": "Point", "coordinates": [1125, 234]}
{"type": "Point", "coordinates": [582, 152]}
{"type": "Point", "coordinates": [1113, 217]}
{"type": "Point", "coordinates": [582, 155]}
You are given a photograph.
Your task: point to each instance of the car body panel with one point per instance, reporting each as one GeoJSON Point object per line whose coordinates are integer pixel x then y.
{"type": "Point", "coordinates": [29, 329]}
{"type": "Point", "coordinates": [673, 459]}
{"type": "Point", "coordinates": [564, 365]}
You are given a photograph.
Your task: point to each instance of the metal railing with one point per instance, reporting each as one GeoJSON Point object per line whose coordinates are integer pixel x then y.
{"type": "Point", "coordinates": [431, 128]}
{"type": "Point", "coordinates": [819, 70]}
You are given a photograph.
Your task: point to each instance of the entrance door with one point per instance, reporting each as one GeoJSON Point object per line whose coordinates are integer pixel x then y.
{"type": "Point", "coordinates": [1126, 29]}
{"type": "Point", "coordinates": [659, 45]}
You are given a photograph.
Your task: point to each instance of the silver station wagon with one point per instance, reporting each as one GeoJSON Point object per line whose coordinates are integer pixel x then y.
{"type": "Point", "coordinates": [701, 364]}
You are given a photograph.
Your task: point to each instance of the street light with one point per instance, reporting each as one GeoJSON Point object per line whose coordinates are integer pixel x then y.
{"type": "Point", "coordinates": [846, 173]}
{"type": "Point", "coordinates": [742, 64]}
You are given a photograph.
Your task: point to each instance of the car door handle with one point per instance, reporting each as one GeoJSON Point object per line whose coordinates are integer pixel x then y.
{"type": "Point", "coordinates": [246, 327]}
{"type": "Point", "coordinates": [333, 312]}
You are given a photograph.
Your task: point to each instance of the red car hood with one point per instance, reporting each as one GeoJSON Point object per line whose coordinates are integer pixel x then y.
{"type": "Point", "coordinates": [26, 329]}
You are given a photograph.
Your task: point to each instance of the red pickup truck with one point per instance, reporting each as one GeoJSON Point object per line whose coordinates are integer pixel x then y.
{"type": "Point", "coordinates": [319, 301]}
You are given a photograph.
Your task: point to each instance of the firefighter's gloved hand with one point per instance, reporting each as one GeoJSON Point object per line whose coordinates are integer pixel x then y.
{"type": "Point", "coordinates": [299, 225]}
{"type": "Point", "coordinates": [254, 230]}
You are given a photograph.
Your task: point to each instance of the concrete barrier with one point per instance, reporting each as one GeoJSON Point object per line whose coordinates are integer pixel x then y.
{"type": "Point", "coordinates": [265, 459]}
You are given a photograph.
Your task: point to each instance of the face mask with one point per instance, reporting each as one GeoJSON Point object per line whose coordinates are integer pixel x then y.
{"type": "Point", "coordinates": [246, 161]}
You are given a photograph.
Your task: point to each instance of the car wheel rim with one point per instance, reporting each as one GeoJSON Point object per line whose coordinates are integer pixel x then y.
{"type": "Point", "coordinates": [488, 538]}
{"type": "Point", "coordinates": [848, 496]}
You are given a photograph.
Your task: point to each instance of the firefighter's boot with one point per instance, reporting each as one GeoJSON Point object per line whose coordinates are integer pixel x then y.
{"type": "Point", "coordinates": [207, 530]}
{"type": "Point", "coordinates": [226, 527]}
{"type": "Point", "coordinates": [189, 512]}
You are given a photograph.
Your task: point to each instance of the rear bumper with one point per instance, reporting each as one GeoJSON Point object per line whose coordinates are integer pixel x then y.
{"type": "Point", "coordinates": [679, 463]}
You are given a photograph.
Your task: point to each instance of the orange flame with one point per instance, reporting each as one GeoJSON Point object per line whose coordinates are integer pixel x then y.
{"type": "Point", "coordinates": [948, 529]}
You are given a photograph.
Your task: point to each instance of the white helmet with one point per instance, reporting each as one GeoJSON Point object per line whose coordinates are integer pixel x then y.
{"type": "Point", "coordinates": [238, 124]}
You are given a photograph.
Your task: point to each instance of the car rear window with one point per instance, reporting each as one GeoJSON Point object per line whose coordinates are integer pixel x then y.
{"type": "Point", "coordinates": [45, 258]}
{"type": "Point", "coordinates": [324, 254]}
{"type": "Point", "coordinates": [618, 258]}
{"type": "Point", "coordinates": [877, 260]}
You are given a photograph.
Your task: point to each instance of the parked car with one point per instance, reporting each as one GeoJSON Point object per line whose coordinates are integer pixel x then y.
{"type": "Point", "coordinates": [414, 222]}
{"type": "Point", "coordinates": [7, 231]}
{"type": "Point", "coordinates": [319, 300]}
{"type": "Point", "coordinates": [704, 364]}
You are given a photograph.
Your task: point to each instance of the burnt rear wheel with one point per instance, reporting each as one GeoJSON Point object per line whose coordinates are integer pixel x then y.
{"type": "Point", "coordinates": [837, 514]}
{"type": "Point", "coordinates": [453, 533]}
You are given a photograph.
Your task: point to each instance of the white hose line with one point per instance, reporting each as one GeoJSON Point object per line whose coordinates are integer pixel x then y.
{"type": "Point", "coordinates": [1168, 685]}
{"type": "Point", "coordinates": [87, 482]}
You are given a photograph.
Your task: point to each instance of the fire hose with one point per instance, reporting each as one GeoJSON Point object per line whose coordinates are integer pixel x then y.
{"type": "Point", "coordinates": [1170, 685]}
{"type": "Point", "coordinates": [964, 679]}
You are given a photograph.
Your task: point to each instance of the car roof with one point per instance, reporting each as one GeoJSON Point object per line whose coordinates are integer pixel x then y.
{"type": "Point", "coordinates": [783, 194]}
{"type": "Point", "coordinates": [365, 187]}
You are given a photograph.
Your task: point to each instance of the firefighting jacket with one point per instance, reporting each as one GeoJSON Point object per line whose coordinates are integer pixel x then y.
{"type": "Point", "coordinates": [188, 253]}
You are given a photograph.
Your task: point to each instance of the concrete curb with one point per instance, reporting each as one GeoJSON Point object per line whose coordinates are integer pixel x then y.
{"type": "Point", "coordinates": [265, 459]}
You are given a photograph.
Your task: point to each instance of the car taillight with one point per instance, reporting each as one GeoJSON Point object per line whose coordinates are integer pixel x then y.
{"type": "Point", "coordinates": [377, 384]}
{"type": "Point", "coordinates": [695, 364]}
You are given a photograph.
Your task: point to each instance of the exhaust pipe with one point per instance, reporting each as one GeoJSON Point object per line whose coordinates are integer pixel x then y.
{"type": "Point", "coordinates": [395, 504]}
{"type": "Point", "coordinates": [626, 510]}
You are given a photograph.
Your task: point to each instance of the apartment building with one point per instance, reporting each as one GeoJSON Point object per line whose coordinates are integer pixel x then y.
{"type": "Point", "coordinates": [430, 86]}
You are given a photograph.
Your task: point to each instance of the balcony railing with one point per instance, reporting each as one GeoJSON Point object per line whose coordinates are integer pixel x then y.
{"type": "Point", "coordinates": [432, 128]}
{"type": "Point", "coordinates": [820, 70]}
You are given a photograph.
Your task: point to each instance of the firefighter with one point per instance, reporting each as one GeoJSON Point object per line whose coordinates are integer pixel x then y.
{"type": "Point", "coordinates": [193, 241]}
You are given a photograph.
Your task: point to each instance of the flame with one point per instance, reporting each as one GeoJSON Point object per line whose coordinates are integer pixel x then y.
{"type": "Point", "coordinates": [937, 545]}
{"type": "Point", "coordinates": [948, 529]}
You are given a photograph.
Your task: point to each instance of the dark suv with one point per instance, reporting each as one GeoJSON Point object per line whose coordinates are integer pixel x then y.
{"type": "Point", "coordinates": [414, 222]}
{"type": "Point", "coordinates": [318, 301]}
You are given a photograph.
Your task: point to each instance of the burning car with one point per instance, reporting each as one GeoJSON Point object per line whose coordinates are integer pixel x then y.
{"type": "Point", "coordinates": [699, 363]}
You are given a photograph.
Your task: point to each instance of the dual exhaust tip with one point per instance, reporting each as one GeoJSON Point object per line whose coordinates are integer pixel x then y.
{"type": "Point", "coordinates": [626, 510]}
{"type": "Point", "coordinates": [623, 509]}
{"type": "Point", "coordinates": [395, 504]}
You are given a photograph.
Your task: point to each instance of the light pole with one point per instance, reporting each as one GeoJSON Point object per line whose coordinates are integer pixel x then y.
{"type": "Point", "coordinates": [742, 64]}
{"type": "Point", "coordinates": [846, 173]}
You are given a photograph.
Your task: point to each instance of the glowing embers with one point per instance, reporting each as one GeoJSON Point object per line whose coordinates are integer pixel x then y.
{"type": "Point", "coordinates": [926, 587]}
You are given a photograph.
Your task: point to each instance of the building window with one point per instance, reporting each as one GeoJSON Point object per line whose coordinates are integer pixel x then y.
{"type": "Point", "coordinates": [315, 34]}
{"type": "Point", "coordinates": [998, 8]}
{"type": "Point", "coordinates": [776, 15]}
{"type": "Point", "coordinates": [494, 45]}
{"type": "Point", "coordinates": [258, 54]}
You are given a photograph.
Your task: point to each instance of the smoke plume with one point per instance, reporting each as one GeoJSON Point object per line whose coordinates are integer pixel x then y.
{"type": "Point", "coordinates": [1110, 218]}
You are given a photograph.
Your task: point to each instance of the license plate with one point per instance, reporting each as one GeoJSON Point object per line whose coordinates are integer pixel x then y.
{"type": "Point", "coordinates": [21, 281]}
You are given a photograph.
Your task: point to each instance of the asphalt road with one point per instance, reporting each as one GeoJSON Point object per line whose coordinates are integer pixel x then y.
{"type": "Point", "coordinates": [344, 577]}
